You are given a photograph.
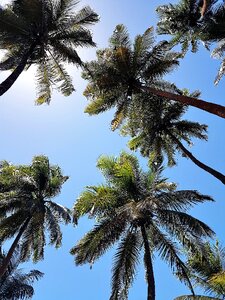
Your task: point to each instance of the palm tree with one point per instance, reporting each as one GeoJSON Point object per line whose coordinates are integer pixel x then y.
{"type": "Point", "coordinates": [45, 34]}
{"type": "Point", "coordinates": [139, 211]}
{"type": "Point", "coordinates": [182, 22]}
{"type": "Point", "coordinates": [14, 284]}
{"type": "Point", "coordinates": [188, 24]}
{"type": "Point", "coordinates": [122, 71]}
{"type": "Point", "coordinates": [26, 208]}
{"type": "Point", "coordinates": [207, 270]}
{"type": "Point", "coordinates": [156, 129]}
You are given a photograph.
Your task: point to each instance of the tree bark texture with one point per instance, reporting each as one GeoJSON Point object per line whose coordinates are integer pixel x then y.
{"type": "Point", "coordinates": [10, 80]}
{"type": "Point", "coordinates": [210, 107]}
{"type": "Point", "coordinates": [148, 265]}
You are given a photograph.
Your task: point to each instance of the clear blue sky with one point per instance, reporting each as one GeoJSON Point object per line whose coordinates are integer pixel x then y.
{"type": "Point", "coordinates": [74, 141]}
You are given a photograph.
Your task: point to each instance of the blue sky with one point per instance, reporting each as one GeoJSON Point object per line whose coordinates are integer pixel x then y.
{"type": "Point", "coordinates": [74, 141]}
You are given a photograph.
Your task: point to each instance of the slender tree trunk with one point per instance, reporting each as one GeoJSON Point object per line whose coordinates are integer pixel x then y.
{"type": "Point", "coordinates": [10, 80]}
{"type": "Point", "coordinates": [6, 260]}
{"type": "Point", "coordinates": [148, 265]}
{"type": "Point", "coordinates": [204, 7]}
{"type": "Point", "coordinates": [208, 169]}
{"type": "Point", "coordinates": [210, 107]}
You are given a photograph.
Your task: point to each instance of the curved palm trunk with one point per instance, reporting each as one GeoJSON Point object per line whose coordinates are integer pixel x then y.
{"type": "Point", "coordinates": [210, 107]}
{"type": "Point", "coordinates": [208, 169]}
{"type": "Point", "coordinates": [148, 265]}
{"type": "Point", "coordinates": [204, 7]}
{"type": "Point", "coordinates": [9, 81]}
{"type": "Point", "coordinates": [6, 260]}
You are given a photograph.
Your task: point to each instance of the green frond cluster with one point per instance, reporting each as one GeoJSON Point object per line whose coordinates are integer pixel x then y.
{"type": "Point", "coordinates": [15, 284]}
{"type": "Point", "coordinates": [152, 123]}
{"type": "Point", "coordinates": [120, 71]}
{"type": "Point", "coordinates": [53, 30]}
{"type": "Point", "coordinates": [132, 202]}
{"type": "Point", "coordinates": [207, 271]}
{"type": "Point", "coordinates": [189, 23]}
{"type": "Point", "coordinates": [25, 201]}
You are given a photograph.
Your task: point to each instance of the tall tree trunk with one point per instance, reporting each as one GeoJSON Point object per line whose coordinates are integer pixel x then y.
{"type": "Point", "coordinates": [210, 107]}
{"type": "Point", "coordinates": [6, 260]}
{"type": "Point", "coordinates": [204, 7]}
{"type": "Point", "coordinates": [208, 169]}
{"type": "Point", "coordinates": [148, 266]}
{"type": "Point", "coordinates": [10, 80]}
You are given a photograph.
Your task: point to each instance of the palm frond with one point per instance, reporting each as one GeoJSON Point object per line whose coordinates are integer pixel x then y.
{"type": "Point", "coordinates": [43, 83]}
{"type": "Point", "coordinates": [97, 241]}
{"type": "Point", "coordinates": [95, 201]}
{"type": "Point", "coordinates": [86, 16]}
{"type": "Point", "coordinates": [182, 200]}
{"type": "Point", "coordinates": [60, 212]}
{"type": "Point", "coordinates": [124, 265]}
{"type": "Point", "coordinates": [59, 76]}
{"type": "Point", "coordinates": [185, 222]}
{"type": "Point", "coordinates": [54, 228]}
{"type": "Point", "coordinates": [169, 252]}
{"type": "Point", "coordinates": [120, 38]}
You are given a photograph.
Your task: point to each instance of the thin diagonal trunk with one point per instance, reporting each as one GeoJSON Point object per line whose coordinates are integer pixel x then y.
{"type": "Point", "coordinates": [10, 80]}
{"type": "Point", "coordinates": [210, 107]}
{"type": "Point", "coordinates": [204, 7]}
{"type": "Point", "coordinates": [208, 169]}
{"type": "Point", "coordinates": [148, 265]}
{"type": "Point", "coordinates": [6, 260]}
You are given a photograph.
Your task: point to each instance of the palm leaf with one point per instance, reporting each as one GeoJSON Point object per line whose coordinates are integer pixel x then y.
{"type": "Point", "coordinates": [97, 241]}
{"type": "Point", "coordinates": [120, 37]}
{"type": "Point", "coordinates": [124, 265]}
{"type": "Point", "coordinates": [169, 253]}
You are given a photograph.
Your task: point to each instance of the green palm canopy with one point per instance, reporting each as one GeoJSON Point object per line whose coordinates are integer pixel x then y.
{"type": "Point", "coordinates": [45, 33]}
{"type": "Point", "coordinates": [158, 130]}
{"type": "Point", "coordinates": [15, 284]}
{"type": "Point", "coordinates": [192, 22]}
{"type": "Point", "coordinates": [123, 70]}
{"type": "Point", "coordinates": [137, 211]}
{"type": "Point", "coordinates": [27, 210]}
{"type": "Point", "coordinates": [207, 270]}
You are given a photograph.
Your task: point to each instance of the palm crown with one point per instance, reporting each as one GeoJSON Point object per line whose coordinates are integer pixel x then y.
{"type": "Point", "coordinates": [15, 284]}
{"type": "Point", "coordinates": [207, 271]}
{"type": "Point", "coordinates": [189, 25]}
{"type": "Point", "coordinates": [157, 130]}
{"type": "Point", "coordinates": [139, 210]}
{"type": "Point", "coordinates": [121, 70]}
{"type": "Point", "coordinates": [44, 33]}
{"type": "Point", "coordinates": [27, 209]}
{"type": "Point", "coordinates": [150, 123]}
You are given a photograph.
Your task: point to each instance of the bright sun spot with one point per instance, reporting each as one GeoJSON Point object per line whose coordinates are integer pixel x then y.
{"type": "Point", "coordinates": [3, 2]}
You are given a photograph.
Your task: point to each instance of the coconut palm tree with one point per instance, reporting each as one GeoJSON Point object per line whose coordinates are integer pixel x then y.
{"type": "Point", "coordinates": [14, 284]}
{"type": "Point", "coordinates": [156, 129]}
{"type": "Point", "coordinates": [207, 270]}
{"type": "Point", "coordinates": [122, 71]}
{"type": "Point", "coordinates": [27, 210]}
{"type": "Point", "coordinates": [191, 22]}
{"type": "Point", "coordinates": [182, 22]}
{"type": "Point", "coordinates": [46, 34]}
{"type": "Point", "coordinates": [139, 211]}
